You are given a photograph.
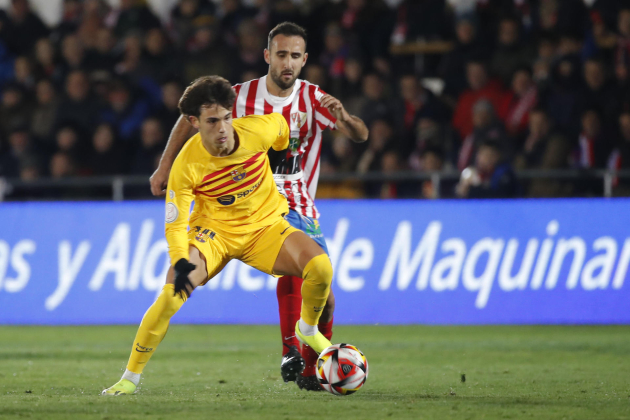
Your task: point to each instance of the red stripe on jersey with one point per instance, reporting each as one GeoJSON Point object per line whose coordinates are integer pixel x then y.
{"type": "Point", "coordinates": [237, 90]}
{"type": "Point", "coordinates": [310, 178]}
{"type": "Point", "coordinates": [247, 163]}
{"type": "Point", "coordinates": [251, 97]}
{"type": "Point", "coordinates": [247, 184]}
{"type": "Point", "coordinates": [268, 108]}
{"type": "Point", "coordinates": [303, 201]}
{"type": "Point", "coordinates": [231, 181]}
{"type": "Point", "coordinates": [286, 113]}
{"type": "Point", "coordinates": [302, 108]}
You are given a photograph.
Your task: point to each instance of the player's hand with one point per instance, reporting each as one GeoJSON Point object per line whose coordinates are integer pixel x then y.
{"type": "Point", "coordinates": [335, 107]}
{"type": "Point", "coordinates": [182, 282]}
{"type": "Point", "coordinates": [158, 182]}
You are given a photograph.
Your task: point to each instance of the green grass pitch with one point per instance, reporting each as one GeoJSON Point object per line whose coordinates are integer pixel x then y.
{"type": "Point", "coordinates": [232, 372]}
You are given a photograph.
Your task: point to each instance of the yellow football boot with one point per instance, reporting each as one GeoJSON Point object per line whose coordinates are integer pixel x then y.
{"type": "Point", "coordinates": [122, 387]}
{"type": "Point", "coordinates": [317, 342]}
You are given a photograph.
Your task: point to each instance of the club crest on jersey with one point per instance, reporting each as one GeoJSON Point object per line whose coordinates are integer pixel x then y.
{"type": "Point", "coordinates": [238, 174]}
{"type": "Point", "coordinates": [298, 119]}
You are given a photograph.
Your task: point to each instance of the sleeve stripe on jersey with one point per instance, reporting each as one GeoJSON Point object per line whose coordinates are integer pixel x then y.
{"type": "Point", "coordinates": [239, 187]}
{"type": "Point", "coordinates": [247, 163]}
{"type": "Point", "coordinates": [231, 181]}
{"type": "Point", "coordinates": [237, 89]}
{"type": "Point", "coordinates": [251, 97]}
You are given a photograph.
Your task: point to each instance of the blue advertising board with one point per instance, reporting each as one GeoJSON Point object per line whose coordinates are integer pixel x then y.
{"type": "Point", "coordinates": [395, 262]}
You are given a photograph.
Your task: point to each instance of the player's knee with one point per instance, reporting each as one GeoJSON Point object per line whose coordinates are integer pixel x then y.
{"type": "Point", "coordinates": [319, 271]}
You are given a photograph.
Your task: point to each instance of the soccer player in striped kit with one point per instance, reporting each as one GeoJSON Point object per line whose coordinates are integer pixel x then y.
{"type": "Point", "coordinates": [308, 110]}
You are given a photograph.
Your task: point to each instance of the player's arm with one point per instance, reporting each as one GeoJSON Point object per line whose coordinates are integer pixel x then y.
{"type": "Point", "coordinates": [178, 199]}
{"type": "Point", "coordinates": [350, 125]}
{"type": "Point", "coordinates": [181, 132]}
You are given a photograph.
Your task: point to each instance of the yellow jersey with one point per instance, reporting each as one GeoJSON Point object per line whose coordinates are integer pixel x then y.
{"type": "Point", "coordinates": [235, 193]}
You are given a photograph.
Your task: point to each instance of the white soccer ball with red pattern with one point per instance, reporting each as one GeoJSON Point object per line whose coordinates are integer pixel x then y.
{"type": "Point", "coordinates": [342, 369]}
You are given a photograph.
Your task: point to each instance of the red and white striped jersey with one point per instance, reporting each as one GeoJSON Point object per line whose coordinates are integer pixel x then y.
{"type": "Point", "coordinates": [296, 170]}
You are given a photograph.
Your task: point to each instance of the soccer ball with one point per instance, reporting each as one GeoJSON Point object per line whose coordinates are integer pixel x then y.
{"type": "Point", "coordinates": [342, 369]}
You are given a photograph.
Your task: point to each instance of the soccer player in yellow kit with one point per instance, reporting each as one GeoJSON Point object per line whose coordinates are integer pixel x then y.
{"type": "Point", "coordinates": [238, 214]}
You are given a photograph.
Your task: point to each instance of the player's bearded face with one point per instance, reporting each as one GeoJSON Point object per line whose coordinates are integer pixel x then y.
{"type": "Point", "coordinates": [215, 127]}
{"type": "Point", "coordinates": [286, 57]}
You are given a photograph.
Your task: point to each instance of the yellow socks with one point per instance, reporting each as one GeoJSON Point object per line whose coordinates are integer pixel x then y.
{"type": "Point", "coordinates": [153, 327]}
{"type": "Point", "coordinates": [317, 277]}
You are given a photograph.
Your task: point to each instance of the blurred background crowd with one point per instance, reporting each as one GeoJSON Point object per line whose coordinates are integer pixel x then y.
{"type": "Point", "coordinates": [485, 87]}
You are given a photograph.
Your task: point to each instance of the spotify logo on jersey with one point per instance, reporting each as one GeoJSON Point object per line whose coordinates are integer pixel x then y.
{"type": "Point", "coordinates": [226, 200]}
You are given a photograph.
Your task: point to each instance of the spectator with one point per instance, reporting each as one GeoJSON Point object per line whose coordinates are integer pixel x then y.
{"type": "Point", "coordinates": [486, 127]}
{"type": "Point", "coordinates": [431, 160]}
{"type": "Point", "coordinates": [168, 111]}
{"type": "Point", "coordinates": [45, 62]}
{"type": "Point", "coordinates": [538, 140]}
{"type": "Point", "coordinates": [510, 53]}
{"type": "Point", "coordinates": [73, 55]}
{"type": "Point", "coordinates": [622, 56]}
{"type": "Point", "coordinates": [23, 71]}
{"type": "Point", "coordinates": [597, 93]}
{"type": "Point", "coordinates": [428, 136]}
{"type": "Point", "coordinates": [162, 61]}
{"type": "Point", "coordinates": [415, 102]}
{"type": "Point", "coordinates": [78, 106]}
{"type": "Point", "coordinates": [490, 177]}
{"type": "Point", "coordinates": [248, 57]}
{"type": "Point", "coordinates": [205, 52]}
{"type": "Point", "coordinates": [562, 101]}
{"type": "Point", "coordinates": [20, 149]}
{"type": "Point", "coordinates": [21, 28]}
{"type": "Point", "coordinates": [518, 103]}
{"type": "Point", "coordinates": [106, 157]}
{"type": "Point", "coordinates": [592, 150]}
{"type": "Point", "coordinates": [335, 51]}
{"type": "Point", "coordinates": [125, 110]}
{"type": "Point", "coordinates": [183, 16]}
{"type": "Point", "coordinates": [102, 56]}
{"type": "Point", "coordinates": [351, 83]}
{"type": "Point", "coordinates": [381, 139]}
{"type": "Point", "coordinates": [373, 104]}
{"type": "Point", "coordinates": [479, 87]}
{"type": "Point", "coordinates": [61, 166]}
{"type": "Point", "coordinates": [152, 142]}
{"type": "Point", "coordinates": [15, 110]}
{"type": "Point", "coordinates": [453, 66]}
{"type": "Point", "coordinates": [134, 15]}
{"type": "Point", "coordinates": [45, 111]}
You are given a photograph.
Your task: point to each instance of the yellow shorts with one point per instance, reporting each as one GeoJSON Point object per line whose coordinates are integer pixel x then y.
{"type": "Point", "coordinates": [258, 249]}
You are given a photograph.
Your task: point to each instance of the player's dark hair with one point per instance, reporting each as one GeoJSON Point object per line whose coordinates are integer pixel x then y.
{"type": "Point", "coordinates": [287, 29]}
{"type": "Point", "coordinates": [206, 91]}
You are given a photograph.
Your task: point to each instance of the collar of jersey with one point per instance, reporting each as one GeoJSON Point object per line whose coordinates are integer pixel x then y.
{"type": "Point", "coordinates": [277, 101]}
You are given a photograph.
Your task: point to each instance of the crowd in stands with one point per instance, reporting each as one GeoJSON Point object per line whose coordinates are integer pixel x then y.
{"type": "Point", "coordinates": [526, 84]}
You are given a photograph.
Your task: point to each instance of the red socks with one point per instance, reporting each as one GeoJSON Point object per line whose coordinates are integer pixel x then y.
{"type": "Point", "coordinates": [309, 355]}
{"type": "Point", "coordinates": [289, 293]}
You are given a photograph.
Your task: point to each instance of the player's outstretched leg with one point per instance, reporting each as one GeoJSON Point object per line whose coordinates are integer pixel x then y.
{"type": "Point", "coordinates": [154, 325]}
{"type": "Point", "coordinates": [289, 305]}
{"type": "Point", "coordinates": [301, 256]}
{"type": "Point", "coordinates": [151, 331]}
